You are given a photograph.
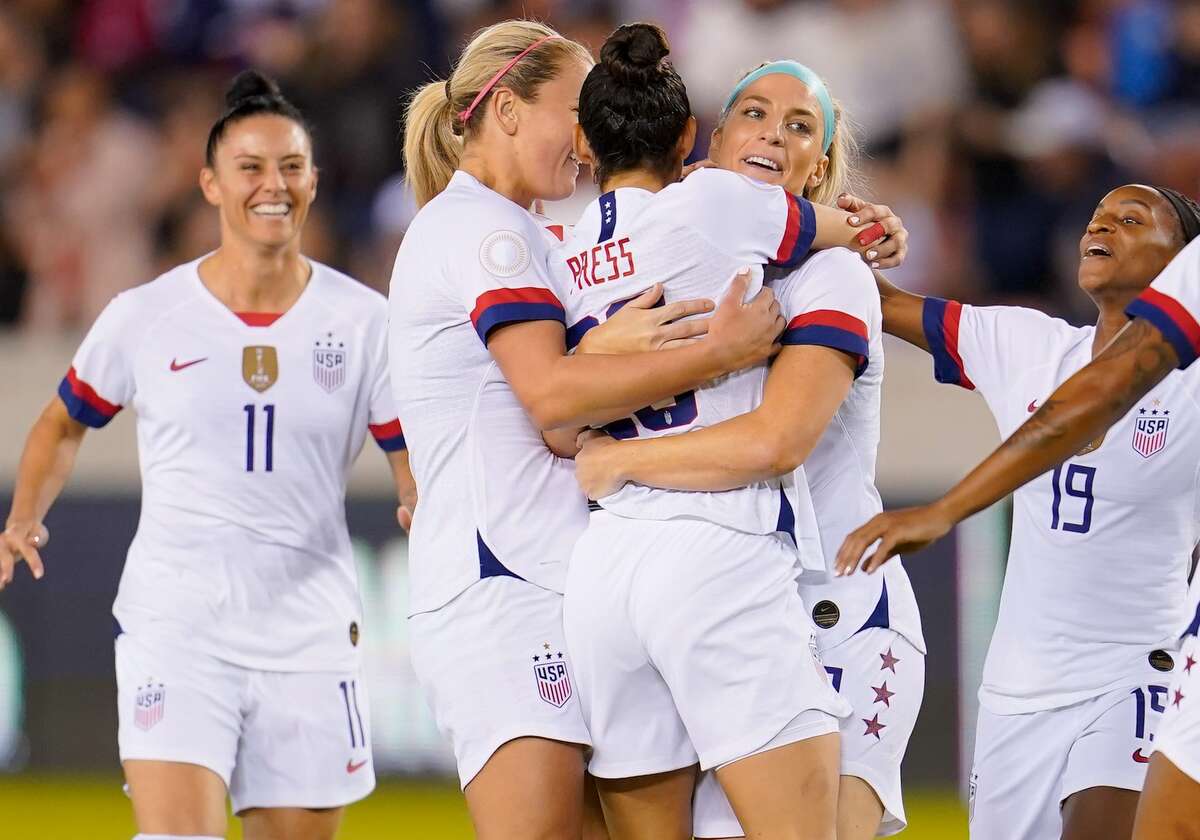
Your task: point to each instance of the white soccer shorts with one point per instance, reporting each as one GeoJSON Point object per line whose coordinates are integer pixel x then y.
{"type": "Point", "coordinates": [494, 666]}
{"type": "Point", "coordinates": [1026, 765]}
{"type": "Point", "coordinates": [689, 643]}
{"type": "Point", "coordinates": [883, 677]}
{"type": "Point", "coordinates": [1179, 733]}
{"type": "Point", "coordinates": [277, 739]}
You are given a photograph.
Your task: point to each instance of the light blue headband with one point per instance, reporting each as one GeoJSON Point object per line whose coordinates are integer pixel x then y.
{"type": "Point", "coordinates": [811, 80]}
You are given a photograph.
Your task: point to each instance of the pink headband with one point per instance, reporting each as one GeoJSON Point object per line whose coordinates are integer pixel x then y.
{"type": "Point", "coordinates": [466, 115]}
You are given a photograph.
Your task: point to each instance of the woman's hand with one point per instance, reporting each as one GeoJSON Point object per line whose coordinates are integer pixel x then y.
{"type": "Point", "coordinates": [646, 324]}
{"type": "Point", "coordinates": [884, 244]}
{"type": "Point", "coordinates": [744, 334]}
{"type": "Point", "coordinates": [696, 167]}
{"type": "Point", "coordinates": [21, 541]}
{"type": "Point", "coordinates": [595, 465]}
{"type": "Point", "coordinates": [897, 532]}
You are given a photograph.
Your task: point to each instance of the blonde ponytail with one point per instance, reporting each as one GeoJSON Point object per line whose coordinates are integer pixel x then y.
{"type": "Point", "coordinates": [435, 133]}
{"type": "Point", "coordinates": [431, 148]}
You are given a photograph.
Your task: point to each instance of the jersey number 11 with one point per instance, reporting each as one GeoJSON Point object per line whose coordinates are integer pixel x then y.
{"type": "Point", "coordinates": [269, 448]}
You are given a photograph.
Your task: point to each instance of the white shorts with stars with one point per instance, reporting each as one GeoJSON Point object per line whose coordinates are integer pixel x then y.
{"type": "Point", "coordinates": [1179, 732]}
{"type": "Point", "coordinates": [883, 677]}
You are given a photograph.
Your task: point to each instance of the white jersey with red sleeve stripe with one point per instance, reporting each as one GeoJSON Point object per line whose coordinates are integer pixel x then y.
{"type": "Point", "coordinates": [831, 301]}
{"type": "Point", "coordinates": [692, 237]}
{"type": "Point", "coordinates": [494, 501]}
{"type": "Point", "coordinates": [246, 428]}
{"type": "Point", "coordinates": [1098, 561]}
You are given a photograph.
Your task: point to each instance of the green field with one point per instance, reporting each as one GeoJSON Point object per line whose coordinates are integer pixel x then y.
{"type": "Point", "coordinates": [69, 808]}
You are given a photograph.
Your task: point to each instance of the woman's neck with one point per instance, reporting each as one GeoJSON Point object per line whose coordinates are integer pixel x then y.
{"type": "Point", "coordinates": [501, 179]}
{"type": "Point", "coordinates": [638, 178]}
{"type": "Point", "coordinates": [1112, 319]}
{"type": "Point", "coordinates": [249, 278]}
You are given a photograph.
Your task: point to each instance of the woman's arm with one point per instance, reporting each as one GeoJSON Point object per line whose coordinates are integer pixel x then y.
{"type": "Point", "coordinates": [1079, 411]}
{"type": "Point", "coordinates": [406, 487]}
{"type": "Point", "coordinates": [46, 463]}
{"type": "Point", "coordinates": [903, 313]}
{"type": "Point", "coordinates": [804, 389]}
{"type": "Point", "coordinates": [558, 390]}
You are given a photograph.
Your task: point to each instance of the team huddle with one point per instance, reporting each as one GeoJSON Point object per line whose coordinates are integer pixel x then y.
{"type": "Point", "coordinates": [635, 455]}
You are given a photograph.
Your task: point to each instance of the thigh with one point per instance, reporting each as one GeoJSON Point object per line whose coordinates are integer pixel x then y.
{"type": "Point", "coordinates": [630, 714]}
{"type": "Point", "coordinates": [529, 789]}
{"type": "Point", "coordinates": [176, 799]}
{"type": "Point", "coordinates": [1099, 813]}
{"type": "Point", "coordinates": [653, 807]}
{"type": "Point", "coordinates": [291, 823]}
{"type": "Point", "coordinates": [1016, 781]}
{"type": "Point", "coordinates": [882, 676]}
{"type": "Point", "coordinates": [860, 811]}
{"type": "Point", "coordinates": [788, 792]}
{"type": "Point", "coordinates": [1169, 808]}
{"type": "Point", "coordinates": [179, 723]}
{"type": "Point", "coordinates": [501, 640]}
{"type": "Point", "coordinates": [306, 745]}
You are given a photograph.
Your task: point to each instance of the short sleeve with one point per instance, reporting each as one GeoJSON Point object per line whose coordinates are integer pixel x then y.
{"type": "Point", "coordinates": [984, 346]}
{"type": "Point", "coordinates": [831, 302]}
{"type": "Point", "coordinates": [756, 223]}
{"type": "Point", "coordinates": [382, 419]}
{"type": "Point", "coordinates": [1172, 303]}
{"type": "Point", "coordinates": [504, 277]}
{"type": "Point", "coordinates": [100, 380]}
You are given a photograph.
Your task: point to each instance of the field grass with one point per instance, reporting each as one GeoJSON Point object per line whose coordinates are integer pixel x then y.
{"type": "Point", "coordinates": [89, 808]}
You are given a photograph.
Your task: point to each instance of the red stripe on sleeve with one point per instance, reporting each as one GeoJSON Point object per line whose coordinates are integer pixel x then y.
{"type": "Point", "coordinates": [383, 431]}
{"type": "Point", "coordinates": [829, 318]}
{"type": "Point", "coordinates": [86, 393]}
{"type": "Point", "coordinates": [950, 322]}
{"type": "Point", "coordinates": [791, 231]}
{"type": "Point", "coordinates": [528, 294]}
{"type": "Point", "coordinates": [1182, 318]}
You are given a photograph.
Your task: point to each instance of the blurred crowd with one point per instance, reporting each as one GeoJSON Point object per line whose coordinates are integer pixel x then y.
{"type": "Point", "coordinates": [993, 126]}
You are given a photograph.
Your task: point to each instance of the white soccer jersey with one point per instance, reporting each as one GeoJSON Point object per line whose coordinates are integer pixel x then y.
{"type": "Point", "coordinates": [692, 237]}
{"type": "Point", "coordinates": [1098, 561]}
{"type": "Point", "coordinates": [831, 301]}
{"type": "Point", "coordinates": [494, 499]}
{"type": "Point", "coordinates": [246, 427]}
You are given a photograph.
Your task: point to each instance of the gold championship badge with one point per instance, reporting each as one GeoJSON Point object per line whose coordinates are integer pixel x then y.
{"type": "Point", "coordinates": [260, 367]}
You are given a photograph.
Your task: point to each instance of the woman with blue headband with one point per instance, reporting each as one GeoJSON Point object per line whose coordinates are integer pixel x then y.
{"type": "Point", "coordinates": [781, 126]}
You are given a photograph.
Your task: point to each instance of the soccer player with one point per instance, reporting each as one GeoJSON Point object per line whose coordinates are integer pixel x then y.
{"type": "Point", "coordinates": [780, 126]}
{"type": "Point", "coordinates": [701, 583]}
{"type": "Point", "coordinates": [1095, 591]}
{"type": "Point", "coordinates": [485, 369]}
{"type": "Point", "coordinates": [255, 374]}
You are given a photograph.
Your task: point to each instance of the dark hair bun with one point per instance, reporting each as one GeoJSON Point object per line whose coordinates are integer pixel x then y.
{"type": "Point", "coordinates": [634, 53]}
{"type": "Point", "coordinates": [249, 84]}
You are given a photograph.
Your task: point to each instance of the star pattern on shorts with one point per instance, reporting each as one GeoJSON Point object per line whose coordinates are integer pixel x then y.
{"type": "Point", "coordinates": [874, 727]}
{"type": "Point", "coordinates": [882, 695]}
{"type": "Point", "coordinates": [1187, 669]}
{"type": "Point", "coordinates": [1178, 698]}
{"type": "Point", "coordinates": [889, 661]}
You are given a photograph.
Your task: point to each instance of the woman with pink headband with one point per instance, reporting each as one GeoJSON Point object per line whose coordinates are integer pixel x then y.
{"type": "Point", "coordinates": [484, 370]}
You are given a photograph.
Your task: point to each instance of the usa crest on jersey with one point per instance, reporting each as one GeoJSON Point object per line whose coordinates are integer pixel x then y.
{"type": "Point", "coordinates": [553, 680]}
{"type": "Point", "coordinates": [1149, 434]}
{"type": "Point", "coordinates": [149, 705]}
{"type": "Point", "coordinates": [329, 364]}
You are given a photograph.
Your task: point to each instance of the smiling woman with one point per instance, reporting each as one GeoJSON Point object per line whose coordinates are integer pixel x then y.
{"type": "Point", "coordinates": [1075, 681]}
{"type": "Point", "coordinates": [244, 455]}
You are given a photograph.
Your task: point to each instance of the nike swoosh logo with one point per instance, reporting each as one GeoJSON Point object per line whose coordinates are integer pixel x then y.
{"type": "Point", "coordinates": [351, 767]}
{"type": "Point", "coordinates": [1139, 758]}
{"type": "Point", "coordinates": [176, 366]}
{"type": "Point", "coordinates": [1032, 407]}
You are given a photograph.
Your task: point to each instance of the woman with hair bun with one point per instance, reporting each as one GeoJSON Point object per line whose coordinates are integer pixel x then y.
{"type": "Point", "coordinates": [484, 372]}
{"type": "Point", "coordinates": [690, 642]}
{"type": "Point", "coordinates": [255, 374]}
